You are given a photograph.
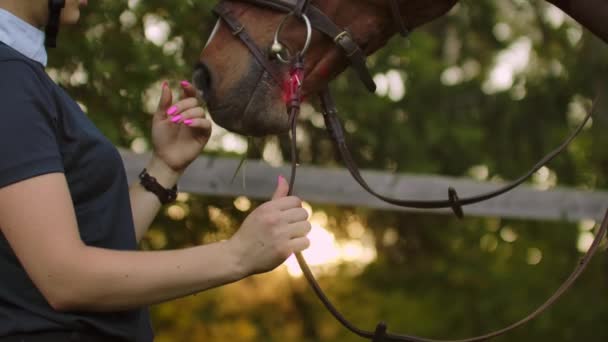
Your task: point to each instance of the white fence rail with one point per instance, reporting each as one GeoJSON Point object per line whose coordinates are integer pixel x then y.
{"type": "Point", "coordinates": [212, 176]}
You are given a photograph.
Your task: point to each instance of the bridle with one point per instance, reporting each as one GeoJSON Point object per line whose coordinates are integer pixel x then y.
{"type": "Point", "coordinates": [317, 20]}
{"type": "Point", "coordinates": [320, 22]}
{"type": "Point", "coordinates": [314, 17]}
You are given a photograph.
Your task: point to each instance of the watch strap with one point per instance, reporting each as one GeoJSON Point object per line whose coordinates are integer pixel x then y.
{"type": "Point", "coordinates": [150, 183]}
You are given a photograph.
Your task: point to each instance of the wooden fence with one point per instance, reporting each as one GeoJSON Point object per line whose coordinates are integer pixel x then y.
{"type": "Point", "coordinates": [212, 176]}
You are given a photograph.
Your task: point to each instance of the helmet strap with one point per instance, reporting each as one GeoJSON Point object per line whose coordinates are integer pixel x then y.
{"type": "Point", "coordinates": [52, 28]}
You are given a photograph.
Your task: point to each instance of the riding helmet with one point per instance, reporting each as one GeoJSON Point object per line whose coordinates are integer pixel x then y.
{"type": "Point", "coordinates": [52, 27]}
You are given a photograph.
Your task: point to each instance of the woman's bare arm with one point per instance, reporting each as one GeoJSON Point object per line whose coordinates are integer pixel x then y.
{"type": "Point", "coordinates": [592, 14]}
{"type": "Point", "coordinates": [38, 220]}
{"type": "Point", "coordinates": [144, 204]}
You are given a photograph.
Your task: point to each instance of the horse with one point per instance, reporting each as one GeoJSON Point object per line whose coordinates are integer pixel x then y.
{"type": "Point", "coordinates": [250, 75]}
{"type": "Point", "coordinates": [241, 95]}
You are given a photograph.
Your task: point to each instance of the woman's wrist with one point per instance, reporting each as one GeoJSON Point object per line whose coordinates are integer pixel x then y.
{"type": "Point", "coordinates": [234, 251]}
{"type": "Point", "coordinates": [165, 175]}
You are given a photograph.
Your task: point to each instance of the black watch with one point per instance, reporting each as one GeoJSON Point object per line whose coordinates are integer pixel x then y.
{"type": "Point", "coordinates": [150, 183]}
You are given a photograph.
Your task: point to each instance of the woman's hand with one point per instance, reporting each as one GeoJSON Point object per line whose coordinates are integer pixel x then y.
{"type": "Point", "coordinates": [179, 130]}
{"type": "Point", "coordinates": [271, 233]}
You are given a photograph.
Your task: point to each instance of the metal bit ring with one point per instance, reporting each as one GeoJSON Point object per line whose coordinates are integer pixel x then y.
{"type": "Point", "coordinates": [277, 47]}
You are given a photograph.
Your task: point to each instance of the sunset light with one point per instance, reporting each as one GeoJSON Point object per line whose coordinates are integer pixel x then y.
{"type": "Point", "coordinates": [326, 252]}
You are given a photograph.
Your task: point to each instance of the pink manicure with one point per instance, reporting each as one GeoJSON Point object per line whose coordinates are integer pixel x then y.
{"type": "Point", "coordinates": [176, 119]}
{"type": "Point", "coordinates": [165, 84]}
{"type": "Point", "coordinates": [185, 84]}
{"type": "Point", "coordinates": [188, 122]}
{"type": "Point", "coordinates": [281, 178]}
{"type": "Point", "coordinates": [172, 110]}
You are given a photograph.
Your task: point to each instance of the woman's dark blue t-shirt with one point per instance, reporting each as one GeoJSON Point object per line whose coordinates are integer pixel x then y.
{"type": "Point", "coordinates": [42, 130]}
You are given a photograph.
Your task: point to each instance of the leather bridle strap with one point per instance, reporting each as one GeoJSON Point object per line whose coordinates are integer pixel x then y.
{"type": "Point", "coordinates": [380, 334]}
{"type": "Point", "coordinates": [398, 18]}
{"type": "Point", "coordinates": [334, 127]}
{"type": "Point", "coordinates": [239, 31]}
{"type": "Point", "coordinates": [300, 7]}
{"type": "Point", "coordinates": [322, 23]}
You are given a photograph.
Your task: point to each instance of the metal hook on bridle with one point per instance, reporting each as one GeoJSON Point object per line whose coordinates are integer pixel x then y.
{"type": "Point", "coordinates": [277, 48]}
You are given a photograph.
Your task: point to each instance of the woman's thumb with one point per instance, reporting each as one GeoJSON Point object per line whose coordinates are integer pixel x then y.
{"type": "Point", "coordinates": [282, 188]}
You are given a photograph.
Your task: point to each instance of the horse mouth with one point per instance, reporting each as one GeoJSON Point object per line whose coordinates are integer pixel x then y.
{"type": "Point", "coordinates": [253, 107]}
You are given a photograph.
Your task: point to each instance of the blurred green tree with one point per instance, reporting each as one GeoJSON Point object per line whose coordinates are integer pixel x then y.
{"type": "Point", "coordinates": [485, 91]}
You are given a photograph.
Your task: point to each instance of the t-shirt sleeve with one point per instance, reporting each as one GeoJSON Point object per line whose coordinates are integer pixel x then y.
{"type": "Point", "coordinates": [28, 140]}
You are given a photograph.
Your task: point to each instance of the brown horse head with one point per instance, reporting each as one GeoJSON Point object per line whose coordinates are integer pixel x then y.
{"type": "Point", "coordinates": [244, 98]}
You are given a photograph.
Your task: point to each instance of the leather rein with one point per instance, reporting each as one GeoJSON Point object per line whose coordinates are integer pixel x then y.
{"type": "Point", "coordinates": [315, 18]}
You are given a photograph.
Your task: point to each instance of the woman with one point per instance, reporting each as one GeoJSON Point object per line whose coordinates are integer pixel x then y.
{"type": "Point", "coordinates": [69, 222]}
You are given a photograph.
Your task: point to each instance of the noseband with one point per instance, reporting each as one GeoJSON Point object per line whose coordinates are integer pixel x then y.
{"type": "Point", "coordinates": [315, 18]}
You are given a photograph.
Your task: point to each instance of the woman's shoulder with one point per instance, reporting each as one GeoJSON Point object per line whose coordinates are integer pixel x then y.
{"type": "Point", "coordinates": [8, 55]}
{"type": "Point", "coordinates": [20, 73]}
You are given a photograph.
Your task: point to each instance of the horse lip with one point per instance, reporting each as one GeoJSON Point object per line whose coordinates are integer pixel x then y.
{"type": "Point", "coordinates": [200, 94]}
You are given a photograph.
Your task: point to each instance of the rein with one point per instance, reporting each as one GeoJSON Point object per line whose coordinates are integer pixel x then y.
{"type": "Point", "coordinates": [315, 18]}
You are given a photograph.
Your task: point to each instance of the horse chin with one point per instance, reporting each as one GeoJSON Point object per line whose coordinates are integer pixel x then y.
{"type": "Point", "coordinates": [260, 113]}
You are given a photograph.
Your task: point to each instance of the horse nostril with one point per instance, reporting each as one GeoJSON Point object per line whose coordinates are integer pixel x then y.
{"type": "Point", "coordinates": [202, 79]}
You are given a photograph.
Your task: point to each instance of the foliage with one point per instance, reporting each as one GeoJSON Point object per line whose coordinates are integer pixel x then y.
{"type": "Point", "coordinates": [439, 277]}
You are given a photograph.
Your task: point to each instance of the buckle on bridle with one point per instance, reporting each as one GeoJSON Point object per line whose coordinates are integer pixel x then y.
{"type": "Point", "coordinates": [339, 41]}
{"type": "Point", "coordinates": [341, 36]}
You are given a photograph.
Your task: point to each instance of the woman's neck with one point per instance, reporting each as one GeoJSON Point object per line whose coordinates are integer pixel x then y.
{"type": "Point", "coordinates": [32, 12]}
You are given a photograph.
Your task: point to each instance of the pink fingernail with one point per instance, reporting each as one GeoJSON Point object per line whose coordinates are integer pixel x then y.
{"type": "Point", "coordinates": [172, 110]}
{"type": "Point", "coordinates": [185, 84]}
{"type": "Point", "coordinates": [188, 122]}
{"type": "Point", "coordinates": [281, 178]}
{"type": "Point", "coordinates": [176, 119]}
{"type": "Point", "coordinates": [165, 84]}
